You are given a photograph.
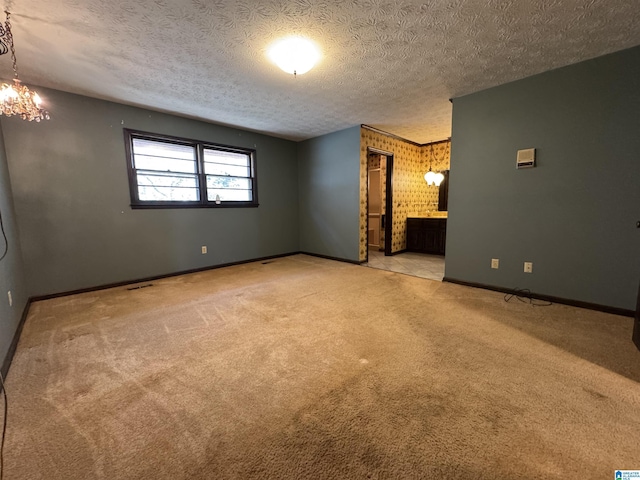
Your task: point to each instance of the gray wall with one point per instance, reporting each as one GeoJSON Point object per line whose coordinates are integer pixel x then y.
{"type": "Point", "coordinates": [574, 214]}
{"type": "Point", "coordinates": [11, 267]}
{"type": "Point", "coordinates": [329, 184]}
{"type": "Point", "coordinates": [72, 200]}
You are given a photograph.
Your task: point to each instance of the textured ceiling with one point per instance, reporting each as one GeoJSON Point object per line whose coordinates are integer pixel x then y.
{"type": "Point", "coordinates": [391, 64]}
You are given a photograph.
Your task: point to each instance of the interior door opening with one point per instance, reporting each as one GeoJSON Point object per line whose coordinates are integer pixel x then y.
{"type": "Point", "coordinates": [380, 225]}
{"type": "Point", "coordinates": [374, 214]}
{"type": "Point", "coordinates": [379, 200]}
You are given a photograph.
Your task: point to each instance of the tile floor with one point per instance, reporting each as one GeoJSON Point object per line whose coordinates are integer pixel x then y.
{"type": "Point", "coordinates": [416, 264]}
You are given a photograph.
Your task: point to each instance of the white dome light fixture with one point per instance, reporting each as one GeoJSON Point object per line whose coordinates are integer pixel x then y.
{"type": "Point", "coordinates": [295, 55]}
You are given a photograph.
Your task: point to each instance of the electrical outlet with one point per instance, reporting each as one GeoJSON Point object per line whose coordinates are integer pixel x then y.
{"type": "Point", "coordinates": [528, 267]}
{"type": "Point", "coordinates": [10, 298]}
{"type": "Point", "coordinates": [495, 263]}
{"type": "Point", "coordinates": [204, 249]}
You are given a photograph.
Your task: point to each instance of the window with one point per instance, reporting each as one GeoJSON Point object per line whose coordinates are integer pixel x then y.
{"type": "Point", "coordinates": [176, 172]}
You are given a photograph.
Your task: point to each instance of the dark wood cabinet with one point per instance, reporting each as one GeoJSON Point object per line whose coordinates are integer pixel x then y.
{"type": "Point", "coordinates": [443, 193]}
{"type": "Point", "coordinates": [426, 235]}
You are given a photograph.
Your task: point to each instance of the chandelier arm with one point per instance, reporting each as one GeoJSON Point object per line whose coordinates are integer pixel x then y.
{"type": "Point", "coordinates": [9, 36]}
{"type": "Point", "coordinates": [432, 156]}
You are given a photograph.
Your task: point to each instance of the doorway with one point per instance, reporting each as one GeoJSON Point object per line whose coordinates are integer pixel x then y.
{"type": "Point", "coordinates": [379, 211]}
{"type": "Point", "coordinates": [375, 211]}
{"type": "Point", "coordinates": [379, 200]}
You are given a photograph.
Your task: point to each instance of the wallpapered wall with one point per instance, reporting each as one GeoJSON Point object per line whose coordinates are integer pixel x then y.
{"type": "Point", "coordinates": [410, 192]}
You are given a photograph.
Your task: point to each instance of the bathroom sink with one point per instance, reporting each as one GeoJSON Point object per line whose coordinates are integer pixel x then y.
{"type": "Point", "coordinates": [428, 215]}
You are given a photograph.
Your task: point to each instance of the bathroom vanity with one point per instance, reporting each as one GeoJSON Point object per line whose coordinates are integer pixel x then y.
{"type": "Point", "coordinates": [426, 234]}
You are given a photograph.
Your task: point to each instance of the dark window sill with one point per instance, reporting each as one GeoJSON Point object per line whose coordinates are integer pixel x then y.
{"type": "Point", "coordinates": [147, 206]}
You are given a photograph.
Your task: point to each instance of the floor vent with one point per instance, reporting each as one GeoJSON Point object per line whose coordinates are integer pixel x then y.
{"type": "Point", "coordinates": [140, 286]}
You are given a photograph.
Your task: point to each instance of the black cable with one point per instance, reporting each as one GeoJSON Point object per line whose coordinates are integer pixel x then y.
{"type": "Point", "coordinates": [4, 392]}
{"type": "Point", "coordinates": [523, 295]}
{"type": "Point", "coordinates": [4, 426]}
{"type": "Point", "coordinates": [6, 245]}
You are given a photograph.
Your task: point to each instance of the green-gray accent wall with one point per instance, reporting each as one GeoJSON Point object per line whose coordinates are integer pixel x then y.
{"type": "Point", "coordinates": [574, 215]}
{"type": "Point", "coordinates": [11, 267]}
{"type": "Point", "coordinates": [72, 202]}
{"type": "Point", "coordinates": [329, 182]}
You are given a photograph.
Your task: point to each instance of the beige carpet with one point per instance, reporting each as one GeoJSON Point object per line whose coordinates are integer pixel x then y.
{"type": "Point", "coordinates": [304, 368]}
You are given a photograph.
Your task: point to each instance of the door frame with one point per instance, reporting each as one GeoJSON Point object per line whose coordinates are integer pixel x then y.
{"type": "Point", "coordinates": [379, 170]}
{"type": "Point", "coordinates": [388, 209]}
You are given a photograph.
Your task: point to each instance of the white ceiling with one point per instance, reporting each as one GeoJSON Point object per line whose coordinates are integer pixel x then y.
{"type": "Point", "coordinates": [391, 64]}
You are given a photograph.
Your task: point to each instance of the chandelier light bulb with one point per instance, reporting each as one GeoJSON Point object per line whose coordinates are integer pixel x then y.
{"type": "Point", "coordinates": [439, 177]}
{"type": "Point", "coordinates": [430, 177]}
{"type": "Point", "coordinates": [294, 55]}
{"type": "Point", "coordinates": [7, 92]}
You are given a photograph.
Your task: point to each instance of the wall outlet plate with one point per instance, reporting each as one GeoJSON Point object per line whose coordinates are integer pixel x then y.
{"type": "Point", "coordinates": [495, 263]}
{"type": "Point", "coordinates": [528, 267]}
{"type": "Point", "coordinates": [204, 249]}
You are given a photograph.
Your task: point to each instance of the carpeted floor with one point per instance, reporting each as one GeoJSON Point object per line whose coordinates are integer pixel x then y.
{"type": "Point", "coordinates": [305, 368]}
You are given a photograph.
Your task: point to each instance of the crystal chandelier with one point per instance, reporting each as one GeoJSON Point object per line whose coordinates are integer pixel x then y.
{"type": "Point", "coordinates": [17, 99]}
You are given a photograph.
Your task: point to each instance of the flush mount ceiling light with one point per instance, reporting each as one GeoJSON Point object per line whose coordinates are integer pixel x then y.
{"type": "Point", "coordinates": [296, 55]}
{"type": "Point", "coordinates": [17, 99]}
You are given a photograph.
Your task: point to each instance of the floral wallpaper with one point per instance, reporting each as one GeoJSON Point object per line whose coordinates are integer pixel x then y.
{"type": "Point", "coordinates": [411, 194]}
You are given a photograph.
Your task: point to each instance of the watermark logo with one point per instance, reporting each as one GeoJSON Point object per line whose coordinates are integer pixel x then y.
{"type": "Point", "coordinates": [627, 475]}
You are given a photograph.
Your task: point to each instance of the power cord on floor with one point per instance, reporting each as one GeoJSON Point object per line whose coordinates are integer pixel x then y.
{"type": "Point", "coordinates": [523, 295]}
{"type": "Point", "coordinates": [6, 242]}
{"type": "Point", "coordinates": [4, 392]}
{"type": "Point", "coordinates": [4, 425]}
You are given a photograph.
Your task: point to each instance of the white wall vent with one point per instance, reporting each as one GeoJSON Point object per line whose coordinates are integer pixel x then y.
{"type": "Point", "coordinates": [526, 158]}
